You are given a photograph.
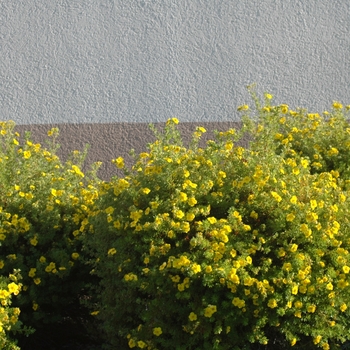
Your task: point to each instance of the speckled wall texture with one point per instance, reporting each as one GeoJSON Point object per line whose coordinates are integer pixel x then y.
{"type": "Point", "coordinates": [140, 61]}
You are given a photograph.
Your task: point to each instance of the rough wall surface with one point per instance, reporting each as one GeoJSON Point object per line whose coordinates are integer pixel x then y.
{"type": "Point", "coordinates": [102, 70]}
{"type": "Point", "coordinates": [112, 61]}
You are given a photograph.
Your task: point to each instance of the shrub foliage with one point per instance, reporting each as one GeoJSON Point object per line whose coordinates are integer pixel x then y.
{"type": "Point", "coordinates": [214, 247]}
{"type": "Point", "coordinates": [10, 326]}
{"type": "Point", "coordinates": [221, 247]}
{"type": "Point", "coordinates": [44, 205]}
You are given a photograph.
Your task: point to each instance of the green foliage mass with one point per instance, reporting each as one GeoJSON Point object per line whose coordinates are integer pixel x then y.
{"type": "Point", "coordinates": [214, 247]}
{"type": "Point", "coordinates": [44, 206]}
{"type": "Point", "coordinates": [225, 247]}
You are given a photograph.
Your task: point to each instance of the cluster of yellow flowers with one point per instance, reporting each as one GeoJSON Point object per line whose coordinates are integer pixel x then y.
{"type": "Point", "coordinates": [8, 315]}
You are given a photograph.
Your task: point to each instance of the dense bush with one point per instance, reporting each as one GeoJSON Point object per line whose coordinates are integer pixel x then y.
{"type": "Point", "coordinates": [10, 326]}
{"type": "Point", "coordinates": [44, 206]}
{"type": "Point", "coordinates": [222, 247]}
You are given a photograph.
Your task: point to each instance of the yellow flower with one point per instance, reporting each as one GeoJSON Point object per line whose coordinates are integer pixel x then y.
{"type": "Point", "coordinates": [282, 120]}
{"type": "Point", "coordinates": [75, 256]}
{"type": "Point", "coordinates": [190, 216]}
{"type": "Point", "coordinates": [346, 269]}
{"type": "Point", "coordinates": [272, 303]}
{"type": "Point", "coordinates": [26, 154]}
{"type": "Point", "coordinates": [337, 105]}
{"type": "Point", "coordinates": [294, 200]}
{"type": "Point", "coordinates": [77, 170]}
{"type": "Point", "coordinates": [290, 217]}
{"type": "Point", "coordinates": [119, 162]}
{"type": "Point", "coordinates": [4, 294]}
{"type": "Point", "coordinates": [238, 302]}
{"type": "Point", "coordinates": [293, 248]}
{"type": "Point", "coordinates": [34, 241]}
{"type": "Point", "coordinates": [162, 267]}
{"type": "Point", "coordinates": [295, 289]}
{"type": "Point", "coordinates": [183, 196]}
{"type": "Point", "coordinates": [13, 288]}
{"type": "Point", "coordinates": [342, 197]}
{"type": "Point", "coordinates": [311, 217]}
{"type": "Point", "coordinates": [304, 163]}
{"type": "Point", "coordinates": [157, 331]}
{"type": "Point", "coordinates": [343, 307]}
{"type": "Point", "coordinates": [212, 220]}
{"type": "Point", "coordinates": [243, 108]}
{"type": "Point", "coordinates": [293, 341]}
{"type": "Point", "coordinates": [141, 344]}
{"type": "Point", "coordinates": [298, 304]}
{"type": "Point", "coordinates": [196, 268]}
{"type": "Point", "coordinates": [333, 151]}
{"type": "Point", "coordinates": [311, 308]}
{"type": "Point", "coordinates": [317, 339]}
{"type": "Point", "coordinates": [284, 108]}
{"type": "Point", "coordinates": [276, 196]}
{"type": "Point", "coordinates": [130, 277]}
{"type": "Point", "coordinates": [53, 131]}
{"type": "Point", "coordinates": [329, 286]}
{"type": "Point", "coordinates": [178, 213]}
{"type": "Point", "coordinates": [287, 266]}
{"type": "Point", "coordinates": [131, 343]}
{"type": "Point", "coordinates": [305, 229]}
{"type": "Point", "coordinates": [313, 204]}
{"type": "Point", "coordinates": [192, 201]}
{"type": "Point", "coordinates": [181, 287]}
{"type": "Point", "coordinates": [112, 251]}
{"type": "Point", "coordinates": [172, 121]}
{"type": "Point", "coordinates": [109, 210]}
{"type": "Point", "coordinates": [331, 295]}
{"type": "Point", "coordinates": [192, 316]}
{"type": "Point", "coordinates": [31, 272]}
{"type": "Point", "coordinates": [37, 280]}
{"type": "Point", "coordinates": [209, 310]}
{"type": "Point", "coordinates": [325, 346]}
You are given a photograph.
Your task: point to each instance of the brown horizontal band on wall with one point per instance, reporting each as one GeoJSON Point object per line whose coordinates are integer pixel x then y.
{"type": "Point", "coordinates": [109, 141]}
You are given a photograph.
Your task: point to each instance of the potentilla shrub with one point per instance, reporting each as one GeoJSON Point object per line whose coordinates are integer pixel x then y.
{"type": "Point", "coordinates": [225, 247]}
{"type": "Point", "coordinates": [10, 325]}
{"type": "Point", "coordinates": [44, 206]}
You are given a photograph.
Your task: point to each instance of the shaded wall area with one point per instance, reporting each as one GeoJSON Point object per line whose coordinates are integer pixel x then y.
{"type": "Point", "coordinates": [109, 141]}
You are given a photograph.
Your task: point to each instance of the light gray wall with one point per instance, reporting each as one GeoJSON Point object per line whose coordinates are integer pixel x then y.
{"type": "Point", "coordinates": [112, 61]}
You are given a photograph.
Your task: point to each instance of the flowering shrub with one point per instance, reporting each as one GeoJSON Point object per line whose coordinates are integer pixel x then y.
{"type": "Point", "coordinates": [223, 246]}
{"type": "Point", "coordinates": [9, 323]}
{"type": "Point", "coordinates": [44, 206]}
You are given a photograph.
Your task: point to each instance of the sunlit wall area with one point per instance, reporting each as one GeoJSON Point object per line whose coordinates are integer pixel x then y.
{"type": "Point", "coordinates": [89, 62]}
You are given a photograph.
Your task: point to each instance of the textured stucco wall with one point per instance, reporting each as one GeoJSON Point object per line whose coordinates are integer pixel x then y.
{"type": "Point", "coordinates": [102, 70]}
{"type": "Point", "coordinates": [111, 61]}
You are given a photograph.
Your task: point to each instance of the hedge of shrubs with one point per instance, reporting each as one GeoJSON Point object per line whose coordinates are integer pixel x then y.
{"type": "Point", "coordinates": [44, 206]}
{"type": "Point", "coordinates": [215, 247]}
